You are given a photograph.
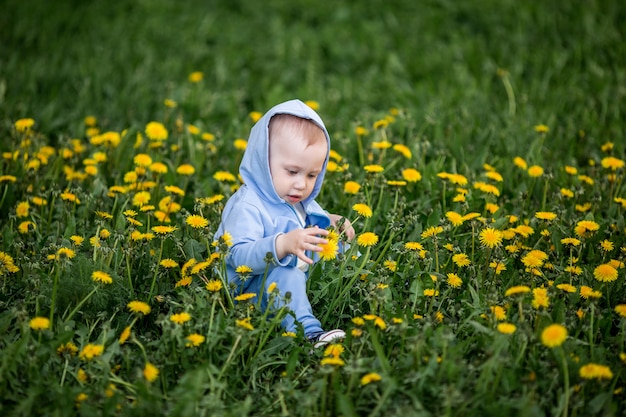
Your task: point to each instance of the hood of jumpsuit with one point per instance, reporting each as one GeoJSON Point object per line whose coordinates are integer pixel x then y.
{"type": "Point", "coordinates": [255, 168]}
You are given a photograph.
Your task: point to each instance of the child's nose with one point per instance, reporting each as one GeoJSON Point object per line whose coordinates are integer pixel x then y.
{"type": "Point", "coordinates": [300, 184]}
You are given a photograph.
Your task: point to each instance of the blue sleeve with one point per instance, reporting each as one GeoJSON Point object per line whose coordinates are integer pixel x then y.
{"type": "Point", "coordinates": [251, 242]}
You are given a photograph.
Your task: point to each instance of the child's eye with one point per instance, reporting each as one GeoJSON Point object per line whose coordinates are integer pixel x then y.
{"type": "Point", "coordinates": [292, 172]}
{"type": "Point", "coordinates": [312, 175]}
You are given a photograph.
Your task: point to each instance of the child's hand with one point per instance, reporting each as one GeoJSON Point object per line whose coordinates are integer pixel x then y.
{"type": "Point", "coordinates": [346, 227]}
{"type": "Point", "coordinates": [298, 241]}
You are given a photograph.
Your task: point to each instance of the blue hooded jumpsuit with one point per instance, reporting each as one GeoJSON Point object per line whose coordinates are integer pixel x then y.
{"type": "Point", "coordinates": [255, 216]}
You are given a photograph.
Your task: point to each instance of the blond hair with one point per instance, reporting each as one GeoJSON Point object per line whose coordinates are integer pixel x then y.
{"type": "Point", "coordinates": [298, 126]}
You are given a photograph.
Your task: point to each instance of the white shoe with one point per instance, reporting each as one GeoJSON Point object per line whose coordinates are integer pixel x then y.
{"type": "Point", "coordinates": [328, 337]}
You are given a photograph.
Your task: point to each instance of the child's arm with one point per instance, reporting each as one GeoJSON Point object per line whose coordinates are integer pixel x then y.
{"type": "Point", "coordinates": [346, 227]}
{"type": "Point", "coordinates": [298, 241]}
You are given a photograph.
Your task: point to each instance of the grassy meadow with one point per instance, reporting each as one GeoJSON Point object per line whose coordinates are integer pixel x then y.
{"type": "Point", "coordinates": [477, 147]}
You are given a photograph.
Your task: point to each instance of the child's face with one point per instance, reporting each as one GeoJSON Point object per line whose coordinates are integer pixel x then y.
{"type": "Point", "coordinates": [295, 164]}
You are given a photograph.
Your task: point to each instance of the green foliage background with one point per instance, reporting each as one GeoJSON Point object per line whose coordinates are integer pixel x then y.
{"type": "Point", "coordinates": [471, 79]}
{"type": "Point", "coordinates": [118, 60]}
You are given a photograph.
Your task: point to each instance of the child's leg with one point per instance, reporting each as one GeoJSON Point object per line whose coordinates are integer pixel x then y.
{"type": "Point", "coordinates": [293, 280]}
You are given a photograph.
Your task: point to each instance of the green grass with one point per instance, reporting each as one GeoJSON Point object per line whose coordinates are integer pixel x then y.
{"type": "Point", "coordinates": [467, 83]}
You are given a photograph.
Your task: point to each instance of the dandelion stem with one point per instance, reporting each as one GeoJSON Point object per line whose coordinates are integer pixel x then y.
{"type": "Point", "coordinates": [156, 270]}
{"type": "Point", "coordinates": [360, 148]}
{"type": "Point", "coordinates": [64, 372]}
{"type": "Point", "coordinates": [347, 288]}
{"type": "Point", "coordinates": [130, 281]}
{"type": "Point", "coordinates": [230, 357]}
{"type": "Point", "coordinates": [565, 382]}
{"type": "Point", "coordinates": [54, 294]}
{"type": "Point", "coordinates": [510, 93]}
{"type": "Point", "coordinates": [378, 348]}
{"type": "Point", "coordinates": [591, 332]}
{"type": "Point", "coordinates": [212, 314]}
{"type": "Point", "coordinates": [79, 305]}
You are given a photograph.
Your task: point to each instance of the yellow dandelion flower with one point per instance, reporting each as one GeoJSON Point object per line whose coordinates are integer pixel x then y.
{"type": "Point", "coordinates": [39, 323]}
{"type": "Point", "coordinates": [67, 348]}
{"type": "Point", "coordinates": [196, 221]}
{"type": "Point", "coordinates": [455, 218]}
{"type": "Point", "coordinates": [67, 196]}
{"type": "Point", "coordinates": [545, 215]}
{"type": "Point", "coordinates": [313, 104]}
{"type": "Point", "coordinates": [369, 378]}
{"type": "Point", "coordinates": [373, 168]}
{"type": "Point", "coordinates": [137, 306]}
{"type": "Point", "coordinates": [587, 292]}
{"type": "Point", "coordinates": [180, 318]}
{"type": "Point", "coordinates": [194, 340]}
{"type": "Point", "coordinates": [535, 171]}
{"type": "Point", "coordinates": [245, 296]}
{"type": "Point", "coordinates": [506, 328]}
{"type": "Point", "coordinates": [610, 162]}
{"type": "Point", "coordinates": [329, 250]}
{"type": "Point", "coordinates": [490, 237]}
{"type": "Point", "coordinates": [163, 230]}
{"type": "Point", "coordinates": [605, 273]}
{"type": "Point", "coordinates": [390, 265]}
{"type": "Point", "coordinates": [243, 270]}
{"type": "Point", "coordinates": [363, 210]}
{"type": "Point", "coordinates": [540, 298]}
{"type": "Point", "coordinates": [9, 178]}
{"type": "Point", "coordinates": [411, 175]}
{"type": "Point", "coordinates": [65, 253]}
{"type": "Point", "coordinates": [454, 280]}
{"type": "Point", "coordinates": [185, 169]}
{"type": "Point", "coordinates": [168, 263]}
{"type": "Point", "coordinates": [124, 335]}
{"type": "Point", "coordinates": [498, 312]}
{"type": "Point", "coordinates": [620, 309]}
{"type": "Point", "coordinates": [461, 260]}
{"type": "Point", "coordinates": [142, 160]}
{"type": "Point", "coordinates": [542, 128]}
{"type": "Point", "coordinates": [553, 335]}
{"type": "Point", "coordinates": [334, 349]}
{"type": "Point", "coordinates": [520, 163]}
{"type": "Point", "coordinates": [413, 246]}
{"type": "Point", "coordinates": [606, 245]}
{"type": "Point", "coordinates": [498, 266]}
{"type": "Point", "coordinates": [367, 239]}
{"type": "Point", "coordinates": [224, 176]}
{"type": "Point", "coordinates": [195, 77]}
{"type": "Point", "coordinates": [244, 323]}
{"type": "Point", "coordinates": [351, 187]}
{"type": "Point", "coordinates": [566, 287]}
{"type": "Point", "coordinates": [150, 372]}
{"type": "Point", "coordinates": [595, 371]}
{"type": "Point", "coordinates": [24, 125]}
{"type": "Point", "coordinates": [214, 285]}
{"type": "Point", "coordinates": [403, 149]}
{"type": "Point", "coordinates": [333, 361]}
{"type": "Point", "coordinates": [22, 209]}
{"type": "Point", "coordinates": [570, 241]}
{"type": "Point", "coordinates": [585, 228]}
{"type": "Point", "coordinates": [518, 289]}
{"type": "Point", "coordinates": [360, 131]}
{"type": "Point", "coordinates": [91, 351]}
{"type": "Point", "coordinates": [102, 277]}
{"type": "Point", "coordinates": [156, 131]}
{"type": "Point", "coordinates": [255, 116]}
{"type": "Point", "coordinates": [431, 232]}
